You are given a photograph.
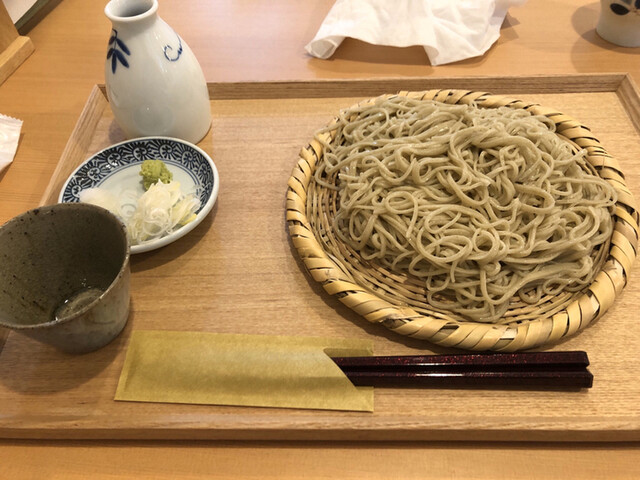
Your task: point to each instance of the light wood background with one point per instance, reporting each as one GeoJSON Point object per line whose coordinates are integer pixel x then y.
{"type": "Point", "coordinates": [260, 41]}
{"type": "Point", "coordinates": [201, 283]}
{"type": "Point", "coordinates": [14, 48]}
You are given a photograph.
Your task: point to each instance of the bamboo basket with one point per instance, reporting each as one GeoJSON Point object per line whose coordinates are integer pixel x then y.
{"type": "Point", "coordinates": [398, 302]}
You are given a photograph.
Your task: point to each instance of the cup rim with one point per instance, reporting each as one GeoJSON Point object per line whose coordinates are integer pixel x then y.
{"type": "Point", "coordinates": [123, 267]}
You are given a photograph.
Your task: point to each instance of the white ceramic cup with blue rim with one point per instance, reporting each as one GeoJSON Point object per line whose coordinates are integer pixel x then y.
{"type": "Point", "coordinates": [619, 22]}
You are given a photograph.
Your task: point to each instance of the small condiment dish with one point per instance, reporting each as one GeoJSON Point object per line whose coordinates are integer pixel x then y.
{"type": "Point", "coordinates": [116, 169]}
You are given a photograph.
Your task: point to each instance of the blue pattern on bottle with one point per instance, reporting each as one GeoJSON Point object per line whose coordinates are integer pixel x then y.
{"type": "Point", "coordinates": [117, 51]}
{"type": "Point", "coordinates": [629, 6]}
{"type": "Point", "coordinates": [168, 49]}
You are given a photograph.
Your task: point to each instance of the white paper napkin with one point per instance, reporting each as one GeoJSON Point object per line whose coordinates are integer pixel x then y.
{"type": "Point", "coordinates": [9, 136]}
{"type": "Point", "coordinates": [449, 30]}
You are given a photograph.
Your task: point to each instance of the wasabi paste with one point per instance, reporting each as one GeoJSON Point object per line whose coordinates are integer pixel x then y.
{"type": "Point", "coordinates": [154, 171]}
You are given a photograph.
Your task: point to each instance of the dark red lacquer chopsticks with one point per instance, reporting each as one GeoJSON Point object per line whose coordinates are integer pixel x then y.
{"type": "Point", "coordinates": [539, 370]}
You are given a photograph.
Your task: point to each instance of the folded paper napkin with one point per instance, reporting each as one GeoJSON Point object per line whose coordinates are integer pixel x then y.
{"type": "Point", "coordinates": [247, 370]}
{"type": "Point", "coordinates": [448, 30]}
{"type": "Point", "coordinates": [9, 136]}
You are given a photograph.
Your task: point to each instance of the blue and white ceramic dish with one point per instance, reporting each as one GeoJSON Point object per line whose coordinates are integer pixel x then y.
{"type": "Point", "coordinates": [116, 168]}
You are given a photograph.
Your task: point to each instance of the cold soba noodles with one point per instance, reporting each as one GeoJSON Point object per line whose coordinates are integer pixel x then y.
{"type": "Point", "coordinates": [482, 204]}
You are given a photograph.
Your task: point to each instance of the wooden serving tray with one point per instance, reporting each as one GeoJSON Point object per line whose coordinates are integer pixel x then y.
{"type": "Point", "coordinates": [238, 272]}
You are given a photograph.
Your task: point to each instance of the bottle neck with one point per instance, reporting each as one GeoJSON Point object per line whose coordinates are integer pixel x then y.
{"type": "Point", "coordinates": [130, 13]}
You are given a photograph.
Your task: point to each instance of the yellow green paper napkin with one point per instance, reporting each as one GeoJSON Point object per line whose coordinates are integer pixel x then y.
{"type": "Point", "coordinates": [247, 370]}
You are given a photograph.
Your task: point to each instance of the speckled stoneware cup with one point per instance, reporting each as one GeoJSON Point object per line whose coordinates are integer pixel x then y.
{"type": "Point", "coordinates": [64, 276]}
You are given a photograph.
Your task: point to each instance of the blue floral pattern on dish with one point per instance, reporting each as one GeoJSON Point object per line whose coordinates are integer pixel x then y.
{"type": "Point", "coordinates": [106, 162]}
{"type": "Point", "coordinates": [113, 158]}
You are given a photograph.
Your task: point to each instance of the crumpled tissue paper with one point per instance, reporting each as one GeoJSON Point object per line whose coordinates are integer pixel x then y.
{"type": "Point", "coordinates": [448, 30]}
{"type": "Point", "coordinates": [9, 136]}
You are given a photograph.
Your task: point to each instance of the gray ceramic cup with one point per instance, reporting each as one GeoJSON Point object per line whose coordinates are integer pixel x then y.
{"type": "Point", "coordinates": [64, 276]}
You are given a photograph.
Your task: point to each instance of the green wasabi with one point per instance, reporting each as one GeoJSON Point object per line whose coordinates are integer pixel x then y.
{"type": "Point", "coordinates": [154, 171]}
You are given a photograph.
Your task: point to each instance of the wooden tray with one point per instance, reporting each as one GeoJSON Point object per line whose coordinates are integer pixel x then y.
{"type": "Point", "coordinates": [237, 272]}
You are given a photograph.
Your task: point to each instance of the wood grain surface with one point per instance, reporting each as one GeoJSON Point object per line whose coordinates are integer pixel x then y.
{"type": "Point", "coordinates": [14, 48]}
{"type": "Point", "coordinates": [238, 273]}
{"type": "Point", "coordinates": [239, 41]}
{"type": "Point", "coordinates": [316, 460]}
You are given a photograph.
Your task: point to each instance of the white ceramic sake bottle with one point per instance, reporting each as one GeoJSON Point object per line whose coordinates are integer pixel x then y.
{"type": "Point", "coordinates": [154, 82]}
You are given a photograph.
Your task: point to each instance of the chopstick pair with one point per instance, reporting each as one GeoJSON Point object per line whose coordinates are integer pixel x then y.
{"type": "Point", "coordinates": [536, 370]}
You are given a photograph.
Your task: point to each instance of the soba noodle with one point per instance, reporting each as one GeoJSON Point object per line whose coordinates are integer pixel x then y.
{"type": "Point", "coordinates": [481, 204]}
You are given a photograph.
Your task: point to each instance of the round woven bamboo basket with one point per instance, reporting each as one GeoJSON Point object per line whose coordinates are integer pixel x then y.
{"type": "Point", "coordinates": [398, 302]}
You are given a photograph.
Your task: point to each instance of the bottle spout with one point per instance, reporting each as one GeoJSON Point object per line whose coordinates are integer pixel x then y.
{"type": "Point", "coordinates": [130, 9]}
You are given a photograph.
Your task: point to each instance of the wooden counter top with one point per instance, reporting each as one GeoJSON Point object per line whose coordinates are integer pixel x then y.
{"type": "Point", "coordinates": [260, 40]}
